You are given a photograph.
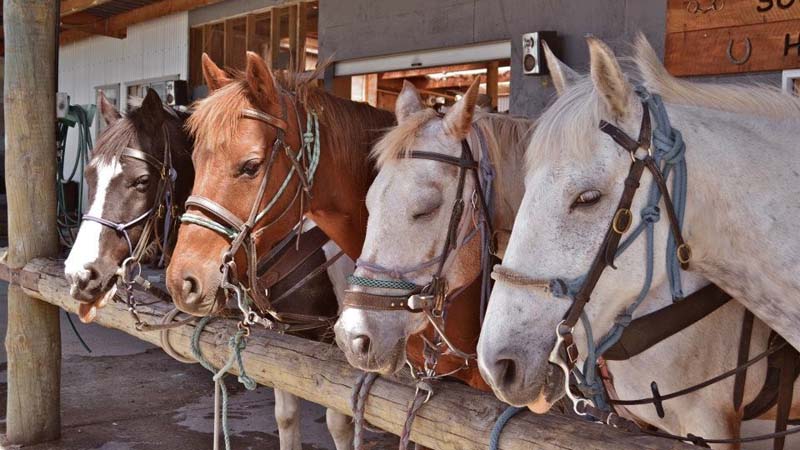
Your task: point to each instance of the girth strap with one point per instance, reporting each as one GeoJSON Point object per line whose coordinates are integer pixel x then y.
{"type": "Point", "coordinates": [653, 328]}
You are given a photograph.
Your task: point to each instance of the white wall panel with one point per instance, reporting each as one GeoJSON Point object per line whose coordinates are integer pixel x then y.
{"type": "Point", "coordinates": [152, 49]}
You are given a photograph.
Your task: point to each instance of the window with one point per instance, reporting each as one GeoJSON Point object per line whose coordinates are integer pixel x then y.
{"type": "Point", "coordinates": [286, 36]}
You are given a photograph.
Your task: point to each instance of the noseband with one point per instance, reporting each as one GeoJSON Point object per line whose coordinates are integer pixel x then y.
{"type": "Point", "coordinates": [243, 233]}
{"type": "Point", "coordinates": [431, 299]}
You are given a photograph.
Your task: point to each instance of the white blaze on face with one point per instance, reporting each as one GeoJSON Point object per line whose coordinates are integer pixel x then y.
{"type": "Point", "coordinates": [86, 248]}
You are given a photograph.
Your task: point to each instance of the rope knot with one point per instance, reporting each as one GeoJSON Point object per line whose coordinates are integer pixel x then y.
{"type": "Point", "coordinates": [623, 319]}
{"type": "Point", "coordinates": [669, 145]}
{"type": "Point", "coordinates": [651, 214]}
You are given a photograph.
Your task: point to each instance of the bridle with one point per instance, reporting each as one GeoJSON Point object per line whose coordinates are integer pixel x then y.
{"type": "Point", "coordinates": [565, 352]}
{"type": "Point", "coordinates": [130, 270]}
{"type": "Point", "coordinates": [431, 299]}
{"type": "Point", "coordinates": [243, 234]}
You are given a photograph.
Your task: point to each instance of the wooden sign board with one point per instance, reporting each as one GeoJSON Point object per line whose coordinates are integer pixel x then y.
{"type": "Point", "coordinates": [709, 37]}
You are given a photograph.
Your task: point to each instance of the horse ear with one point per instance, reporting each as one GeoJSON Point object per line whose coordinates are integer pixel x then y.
{"type": "Point", "coordinates": [408, 102]}
{"type": "Point", "coordinates": [108, 111]}
{"type": "Point", "coordinates": [152, 107]}
{"type": "Point", "coordinates": [259, 77]}
{"type": "Point", "coordinates": [458, 119]}
{"type": "Point", "coordinates": [214, 76]}
{"type": "Point", "coordinates": [563, 76]}
{"type": "Point", "coordinates": [608, 78]}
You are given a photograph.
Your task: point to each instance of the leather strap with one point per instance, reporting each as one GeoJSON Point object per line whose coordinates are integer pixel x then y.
{"type": "Point", "coordinates": [376, 302]}
{"type": "Point", "coordinates": [280, 124]}
{"type": "Point", "coordinates": [744, 353]}
{"type": "Point", "coordinates": [287, 262]}
{"type": "Point", "coordinates": [653, 328]}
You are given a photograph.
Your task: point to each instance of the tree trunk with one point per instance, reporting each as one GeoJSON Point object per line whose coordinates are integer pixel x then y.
{"type": "Point", "coordinates": [33, 339]}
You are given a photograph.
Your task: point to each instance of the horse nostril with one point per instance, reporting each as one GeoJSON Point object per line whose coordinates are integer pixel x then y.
{"type": "Point", "coordinates": [361, 345]}
{"type": "Point", "coordinates": [507, 371]}
{"type": "Point", "coordinates": [191, 289]}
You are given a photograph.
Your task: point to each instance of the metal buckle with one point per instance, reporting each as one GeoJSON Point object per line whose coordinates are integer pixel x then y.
{"type": "Point", "coordinates": [420, 302]}
{"type": "Point", "coordinates": [622, 212]}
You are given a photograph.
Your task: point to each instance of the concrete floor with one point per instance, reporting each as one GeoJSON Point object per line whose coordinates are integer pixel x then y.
{"type": "Point", "coordinates": [128, 394]}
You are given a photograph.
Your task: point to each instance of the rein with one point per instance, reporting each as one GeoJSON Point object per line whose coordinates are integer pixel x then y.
{"type": "Point", "coordinates": [242, 234]}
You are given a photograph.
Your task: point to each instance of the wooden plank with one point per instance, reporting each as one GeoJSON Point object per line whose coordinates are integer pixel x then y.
{"type": "Point", "coordinates": [796, 84]}
{"type": "Point", "coordinates": [250, 37]}
{"type": "Point", "coordinates": [293, 15]}
{"type": "Point", "coordinates": [195, 55]}
{"type": "Point", "coordinates": [492, 82]}
{"type": "Point", "coordinates": [683, 15]}
{"type": "Point", "coordinates": [33, 338]}
{"type": "Point", "coordinates": [73, 6]}
{"type": "Point", "coordinates": [227, 46]}
{"type": "Point", "coordinates": [456, 418]}
{"type": "Point", "coordinates": [275, 36]}
{"type": "Point", "coordinates": [91, 24]}
{"type": "Point", "coordinates": [774, 46]}
{"type": "Point", "coordinates": [301, 33]}
{"type": "Point", "coordinates": [371, 89]}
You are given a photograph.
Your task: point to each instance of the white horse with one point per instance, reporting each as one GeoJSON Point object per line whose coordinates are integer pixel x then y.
{"type": "Point", "coordinates": [575, 177]}
{"type": "Point", "coordinates": [410, 205]}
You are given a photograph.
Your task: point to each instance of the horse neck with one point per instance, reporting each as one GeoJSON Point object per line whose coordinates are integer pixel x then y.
{"type": "Point", "coordinates": [345, 171]}
{"type": "Point", "coordinates": [743, 174]}
{"type": "Point", "coordinates": [181, 146]}
{"type": "Point", "coordinates": [510, 136]}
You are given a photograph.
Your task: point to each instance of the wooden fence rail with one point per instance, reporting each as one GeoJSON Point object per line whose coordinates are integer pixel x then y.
{"type": "Point", "coordinates": [456, 418]}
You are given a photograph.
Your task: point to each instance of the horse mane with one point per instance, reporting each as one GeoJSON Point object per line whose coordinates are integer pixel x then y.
{"type": "Point", "coordinates": [134, 124]}
{"type": "Point", "coordinates": [344, 125]}
{"type": "Point", "coordinates": [503, 134]}
{"type": "Point", "coordinates": [752, 98]}
{"type": "Point", "coordinates": [571, 119]}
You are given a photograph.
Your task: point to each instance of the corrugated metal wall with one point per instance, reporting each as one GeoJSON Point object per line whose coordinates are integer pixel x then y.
{"type": "Point", "coordinates": [152, 49]}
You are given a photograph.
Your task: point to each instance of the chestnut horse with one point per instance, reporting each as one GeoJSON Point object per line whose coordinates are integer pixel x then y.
{"type": "Point", "coordinates": [134, 159]}
{"type": "Point", "coordinates": [241, 169]}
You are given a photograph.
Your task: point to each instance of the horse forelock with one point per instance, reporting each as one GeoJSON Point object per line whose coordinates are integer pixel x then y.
{"type": "Point", "coordinates": [504, 134]}
{"type": "Point", "coordinates": [114, 139]}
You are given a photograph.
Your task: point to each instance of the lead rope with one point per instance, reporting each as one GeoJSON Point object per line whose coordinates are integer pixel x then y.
{"type": "Point", "coordinates": [669, 154]}
{"type": "Point", "coordinates": [358, 403]}
{"type": "Point", "coordinates": [237, 343]}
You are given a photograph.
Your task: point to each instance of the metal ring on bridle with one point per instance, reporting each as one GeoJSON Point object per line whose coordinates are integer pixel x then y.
{"type": "Point", "coordinates": [683, 253]}
{"type": "Point", "coordinates": [128, 267]}
{"type": "Point", "coordinates": [615, 224]}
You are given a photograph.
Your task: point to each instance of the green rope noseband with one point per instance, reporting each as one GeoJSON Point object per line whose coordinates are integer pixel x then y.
{"type": "Point", "coordinates": [381, 284]}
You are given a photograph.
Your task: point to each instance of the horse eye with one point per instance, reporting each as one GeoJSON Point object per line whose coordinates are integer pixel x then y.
{"type": "Point", "coordinates": [427, 212]}
{"type": "Point", "coordinates": [250, 168]}
{"type": "Point", "coordinates": [586, 198]}
{"type": "Point", "coordinates": [142, 182]}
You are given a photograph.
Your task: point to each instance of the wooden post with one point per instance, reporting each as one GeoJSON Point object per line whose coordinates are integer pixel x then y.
{"type": "Point", "coordinates": [33, 340]}
{"type": "Point", "coordinates": [250, 34]}
{"type": "Point", "coordinates": [492, 82]}
{"type": "Point", "coordinates": [227, 47]}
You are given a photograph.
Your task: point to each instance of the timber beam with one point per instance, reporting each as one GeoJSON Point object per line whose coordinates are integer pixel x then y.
{"type": "Point", "coordinates": [456, 417]}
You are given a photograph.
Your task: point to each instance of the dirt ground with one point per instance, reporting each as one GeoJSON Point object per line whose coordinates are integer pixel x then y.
{"type": "Point", "coordinates": [127, 394]}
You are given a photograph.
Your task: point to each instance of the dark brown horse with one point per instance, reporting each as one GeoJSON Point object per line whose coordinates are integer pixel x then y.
{"type": "Point", "coordinates": [139, 161]}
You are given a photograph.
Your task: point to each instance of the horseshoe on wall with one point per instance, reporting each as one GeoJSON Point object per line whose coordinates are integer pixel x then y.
{"type": "Point", "coordinates": [748, 50]}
